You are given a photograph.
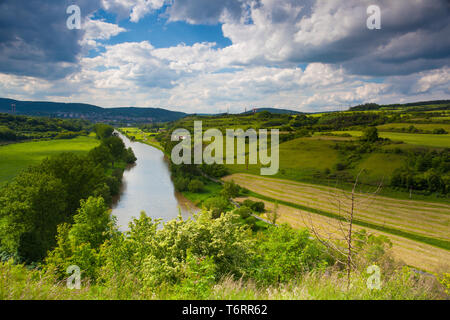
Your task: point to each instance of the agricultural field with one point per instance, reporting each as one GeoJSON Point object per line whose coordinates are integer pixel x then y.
{"type": "Point", "coordinates": [430, 140]}
{"type": "Point", "coordinates": [18, 156]}
{"type": "Point", "coordinates": [418, 229]}
{"type": "Point", "coordinates": [141, 136]}
{"type": "Point", "coordinates": [420, 126]}
{"type": "Point", "coordinates": [413, 253]}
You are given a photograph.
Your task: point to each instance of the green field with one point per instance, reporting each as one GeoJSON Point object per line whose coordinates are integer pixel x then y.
{"type": "Point", "coordinates": [430, 140]}
{"type": "Point", "coordinates": [421, 126]}
{"type": "Point", "coordinates": [16, 157]}
{"type": "Point", "coordinates": [141, 136]}
{"type": "Point", "coordinates": [299, 159]}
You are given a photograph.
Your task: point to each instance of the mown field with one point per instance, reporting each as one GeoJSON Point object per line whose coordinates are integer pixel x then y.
{"type": "Point", "coordinates": [419, 230]}
{"type": "Point", "coordinates": [19, 156]}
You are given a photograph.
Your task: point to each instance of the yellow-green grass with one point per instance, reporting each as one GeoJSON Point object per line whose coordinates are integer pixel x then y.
{"type": "Point", "coordinates": [413, 253]}
{"type": "Point", "coordinates": [379, 167]}
{"type": "Point", "coordinates": [421, 126]}
{"type": "Point", "coordinates": [414, 219]}
{"type": "Point", "coordinates": [16, 157]}
{"type": "Point", "coordinates": [431, 140]}
{"type": "Point", "coordinates": [299, 159]}
{"type": "Point", "coordinates": [141, 136]}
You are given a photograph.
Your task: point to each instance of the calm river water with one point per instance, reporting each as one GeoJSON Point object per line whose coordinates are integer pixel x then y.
{"type": "Point", "coordinates": [147, 187]}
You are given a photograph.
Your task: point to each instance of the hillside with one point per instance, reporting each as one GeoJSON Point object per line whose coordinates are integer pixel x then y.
{"type": "Point", "coordinates": [414, 106]}
{"type": "Point", "coordinates": [89, 112]}
{"type": "Point", "coordinates": [273, 110]}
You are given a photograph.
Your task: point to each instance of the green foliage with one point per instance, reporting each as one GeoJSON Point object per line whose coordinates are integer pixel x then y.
{"type": "Point", "coordinates": [217, 206]}
{"type": "Point", "coordinates": [79, 244]}
{"type": "Point", "coordinates": [197, 277]}
{"type": "Point", "coordinates": [101, 155]}
{"type": "Point", "coordinates": [129, 156]}
{"type": "Point", "coordinates": [181, 183]}
{"type": "Point", "coordinates": [103, 131]}
{"type": "Point", "coordinates": [44, 196]}
{"type": "Point", "coordinates": [214, 170]}
{"type": "Point", "coordinates": [160, 256]}
{"type": "Point", "coordinates": [285, 253]}
{"type": "Point", "coordinates": [14, 128]}
{"type": "Point", "coordinates": [7, 134]}
{"type": "Point", "coordinates": [370, 134]}
{"type": "Point", "coordinates": [230, 189]}
{"type": "Point", "coordinates": [31, 207]}
{"type": "Point", "coordinates": [424, 171]}
{"type": "Point", "coordinates": [244, 212]}
{"type": "Point", "coordinates": [195, 186]}
{"type": "Point", "coordinates": [257, 206]}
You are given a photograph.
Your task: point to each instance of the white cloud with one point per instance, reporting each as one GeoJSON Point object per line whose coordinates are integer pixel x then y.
{"type": "Point", "coordinates": [270, 41]}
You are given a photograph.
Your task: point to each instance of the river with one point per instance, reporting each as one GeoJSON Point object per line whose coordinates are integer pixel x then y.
{"type": "Point", "coordinates": [147, 186]}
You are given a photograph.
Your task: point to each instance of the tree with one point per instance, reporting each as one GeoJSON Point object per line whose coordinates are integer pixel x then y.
{"type": "Point", "coordinates": [31, 207]}
{"type": "Point", "coordinates": [80, 243]}
{"type": "Point", "coordinates": [91, 223]}
{"type": "Point", "coordinates": [343, 231]}
{"type": "Point", "coordinates": [370, 134]}
{"type": "Point", "coordinates": [217, 206]}
{"type": "Point", "coordinates": [116, 148]}
{"type": "Point", "coordinates": [103, 131]}
{"type": "Point", "coordinates": [273, 215]}
{"type": "Point", "coordinates": [80, 176]}
{"type": "Point", "coordinates": [195, 186]}
{"type": "Point", "coordinates": [230, 189]}
{"type": "Point", "coordinates": [101, 155]}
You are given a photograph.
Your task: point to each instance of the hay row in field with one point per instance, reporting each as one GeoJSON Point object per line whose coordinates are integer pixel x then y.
{"type": "Point", "coordinates": [419, 217]}
{"type": "Point", "coordinates": [419, 255]}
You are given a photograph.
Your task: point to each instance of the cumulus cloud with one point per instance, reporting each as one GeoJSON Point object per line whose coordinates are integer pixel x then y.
{"type": "Point", "coordinates": [306, 55]}
{"type": "Point", "coordinates": [34, 39]}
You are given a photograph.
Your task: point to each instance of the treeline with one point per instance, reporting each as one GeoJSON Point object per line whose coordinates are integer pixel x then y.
{"type": "Point", "coordinates": [42, 197]}
{"type": "Point", "coordinates": [13, 128]}
{"type": "Point", "coordinates": [426, 171]}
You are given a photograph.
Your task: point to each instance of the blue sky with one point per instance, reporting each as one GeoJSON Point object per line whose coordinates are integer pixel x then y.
{"type": "Point", "coordinates": [211, 55]}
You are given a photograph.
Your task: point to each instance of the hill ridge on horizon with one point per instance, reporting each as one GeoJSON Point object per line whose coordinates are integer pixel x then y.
{"type": "Point", "coordinates": [152, 114]}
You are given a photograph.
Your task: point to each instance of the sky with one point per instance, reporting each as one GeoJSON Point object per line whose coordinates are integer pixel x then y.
{"type": "Point", "coordinates": [210, 56]}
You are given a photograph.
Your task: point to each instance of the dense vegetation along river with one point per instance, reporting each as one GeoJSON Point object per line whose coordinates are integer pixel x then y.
{"type": "Point", "coordinates": [147, 187]}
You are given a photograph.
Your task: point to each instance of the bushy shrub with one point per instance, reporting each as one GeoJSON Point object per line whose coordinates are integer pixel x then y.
{"type": "Point", "coordinates": [257, 206]}
{"type": "Point", "coordinates": [230, 189]}
{"type": "Point", "coordinates": [243, 212]}
{"type": "Point", "coordinates": [217, 206]}
{"type": "Point", "coordinates": [286, 253]}
{"type": "Point", "coordinates": [195, 186]}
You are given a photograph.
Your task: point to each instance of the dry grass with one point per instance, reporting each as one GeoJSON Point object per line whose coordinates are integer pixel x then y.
{"type": "Point", "coordinates": [427, 218]}
{"type": "Point", "coordinates": [419, 217]}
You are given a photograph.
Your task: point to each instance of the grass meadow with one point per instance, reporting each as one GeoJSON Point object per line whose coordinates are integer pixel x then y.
{"type": "Point", "coordinates": [17, 157]}
{"type": "Point", "coordinates": [430, 140]}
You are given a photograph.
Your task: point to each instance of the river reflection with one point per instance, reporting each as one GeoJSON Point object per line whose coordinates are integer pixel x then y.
{"type": "Point", "coordinates": [147, 187]}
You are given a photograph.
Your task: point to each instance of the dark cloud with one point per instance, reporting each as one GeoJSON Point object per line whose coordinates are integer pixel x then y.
{"type": "Point", "coordinates": [206, 11]}
{"type": "Point", "coordinates": [34, 39]}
